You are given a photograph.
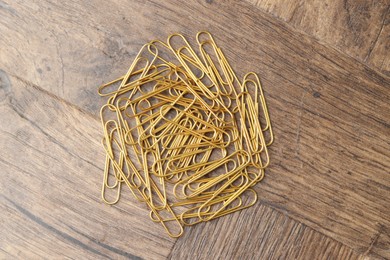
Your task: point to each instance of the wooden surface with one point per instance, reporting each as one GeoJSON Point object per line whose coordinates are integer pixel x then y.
{"type": "Point", "coordinates": [326, 193]}
{"type": "Point", "coordinates": [360, 29]}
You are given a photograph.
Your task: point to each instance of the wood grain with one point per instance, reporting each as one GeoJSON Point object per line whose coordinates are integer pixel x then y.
{"type": "Point", "coordinates": [357, 28]}
{"type": "Point", "coordinates": [330, 161]}
{"type": "Point", "coordinates": [258, 233]}
{"type": "Point", "coordinates": [50, 191]}
{"type": "Point", "coordinates": [379, 55]}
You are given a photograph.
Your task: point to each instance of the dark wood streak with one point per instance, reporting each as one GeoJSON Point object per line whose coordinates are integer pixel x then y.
{"type": "Point", "coordinates": [108, 247]}
{"type": "Point", "coordinates": [50, 228]}
{"type": "Point", "coordinates": [51, 138]}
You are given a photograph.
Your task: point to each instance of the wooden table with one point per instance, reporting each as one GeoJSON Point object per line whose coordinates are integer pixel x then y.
{"type": "Point", "coordinates": [325, 69]}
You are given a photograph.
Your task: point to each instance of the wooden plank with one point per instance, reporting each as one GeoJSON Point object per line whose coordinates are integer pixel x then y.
{"type": "Point", "coordinates": [257, 233]}
{"type": "Point", "coordinates": [330, 160]}
{"type": "Point", "coordinates": [51, 167]}
{"type": "Point", "coordinates": [360, 29]}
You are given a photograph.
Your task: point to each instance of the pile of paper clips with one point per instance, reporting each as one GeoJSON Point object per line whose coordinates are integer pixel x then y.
{"type": "Point", "coordinates": [186, 136]}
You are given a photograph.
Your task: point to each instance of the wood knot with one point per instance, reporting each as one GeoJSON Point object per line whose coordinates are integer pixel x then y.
{"type": "Point", "coordinates": [317, 94]}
